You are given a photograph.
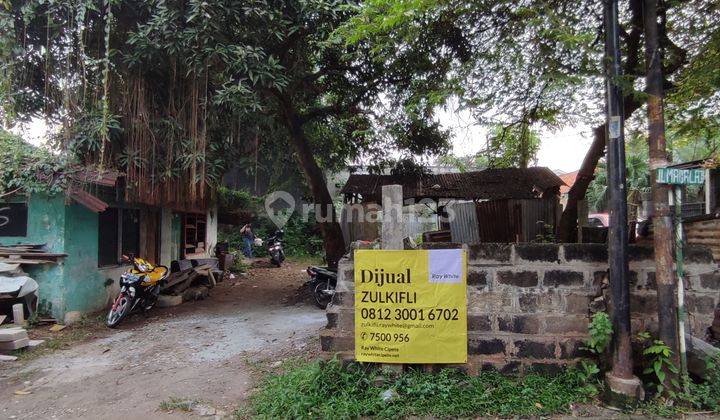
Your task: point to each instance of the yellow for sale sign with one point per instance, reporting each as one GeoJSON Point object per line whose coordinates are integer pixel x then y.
{"type": "Point", "coordinates": [411, 306]}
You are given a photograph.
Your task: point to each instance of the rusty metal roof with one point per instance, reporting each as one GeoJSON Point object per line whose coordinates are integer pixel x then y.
{"type": "Point", "coordinates": [91, 175]}
{"type": "Point", "coordinates": [490, 184]}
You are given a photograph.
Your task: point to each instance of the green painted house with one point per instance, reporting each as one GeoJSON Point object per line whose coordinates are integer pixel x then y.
{"type": "Point", "coordinates": [94, 239]}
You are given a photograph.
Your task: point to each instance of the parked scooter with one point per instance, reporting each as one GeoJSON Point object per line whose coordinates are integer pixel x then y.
{"type": "Point", "coordinates": [275, 248]}
{"type": "Point", "coordinates": [323, 281]}
{"type": "Point", "coordinates": [139, 289]}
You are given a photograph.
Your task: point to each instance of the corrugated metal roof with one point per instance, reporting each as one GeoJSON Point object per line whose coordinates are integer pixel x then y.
{"type": "Point", "coordinates": [491, 184]}
{"type": "Point", "coordinates": [88, 200]}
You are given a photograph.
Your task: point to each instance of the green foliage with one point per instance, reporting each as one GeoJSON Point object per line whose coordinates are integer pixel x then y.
{"type": "Point", "coordinates": [702, 395]}
{"type": "Point", "coordinates": [232, 200]}
{"type": "Point", "coordinates": [637, 174]}
{"type": "Point", "coordinates": [191, 81]}
{"type": "Point", "coordinates": [658, 358]}
{"type": "Point", "coordinates": [600, 333]}
{"type": "Point", "coordinates": [301, 239]}
{"type": "Point", "coordinates": [238, 265]}
{"type": "Point", "coordinates": [329, 390]}
{"type": "Point", "coordinates": [464, 163]}
{"type": "Point", "coordinates": [27, 169]}
{"type": "Point", "coordinates": [587, 374]}
{"type": "Point", "coordinates": [180, 404]}
{"type": "Point", "coordinates": [514, 146]}
{"type": "Point", "coordinates": [706, 395]}
{"type": "Point", "coordinates": [512, 62]}
{"type": "Point", "coordinates": [546, 234]}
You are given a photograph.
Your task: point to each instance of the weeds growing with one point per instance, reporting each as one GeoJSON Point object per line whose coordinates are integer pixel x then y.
{"type": "Point", "coordinates": [329, 390]}
{"type": "Point", "coordinates": [180, 404]}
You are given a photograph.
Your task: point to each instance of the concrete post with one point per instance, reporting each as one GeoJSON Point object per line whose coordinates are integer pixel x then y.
{"type": "Point", "coordinates": [393, 231]}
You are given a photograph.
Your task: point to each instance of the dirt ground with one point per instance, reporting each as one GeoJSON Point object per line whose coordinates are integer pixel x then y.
{"type": "Point", "coordinates": [211, 351]}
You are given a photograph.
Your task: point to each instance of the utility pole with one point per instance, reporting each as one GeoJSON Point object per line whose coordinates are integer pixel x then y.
{"type": "Point", "coordinates": [622, 384]}
{"type": "Point", "coordinates": [662, 222]}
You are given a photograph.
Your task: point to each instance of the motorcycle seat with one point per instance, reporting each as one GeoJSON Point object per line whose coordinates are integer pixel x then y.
{"type": "Point", "coordinates": [158, 273]}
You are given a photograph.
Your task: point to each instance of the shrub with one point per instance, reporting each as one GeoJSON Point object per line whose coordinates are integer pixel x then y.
{"type": "Point", "coordinates": [329, 390]}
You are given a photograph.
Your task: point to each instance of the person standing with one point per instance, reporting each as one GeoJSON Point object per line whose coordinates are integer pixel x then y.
{"type": "Point", "coordinates": [248, 236]}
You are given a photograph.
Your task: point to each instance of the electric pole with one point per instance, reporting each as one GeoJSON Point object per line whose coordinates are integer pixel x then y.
{"type": "Point", "coordinates": [621, 381]}
{"type": "Point", "coordinates": [662, 222]}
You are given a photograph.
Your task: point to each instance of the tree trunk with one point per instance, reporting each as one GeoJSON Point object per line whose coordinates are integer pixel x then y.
{"type": "Point", "coordinates": [567, 228]}
{"type": "Point", "coordinates": [662, 224]}
{"type": "Point", "coordinates": [324, 206]}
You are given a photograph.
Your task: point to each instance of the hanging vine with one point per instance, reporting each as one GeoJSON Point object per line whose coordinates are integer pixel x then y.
{"type": "Point", "coordinates": [105, 130]}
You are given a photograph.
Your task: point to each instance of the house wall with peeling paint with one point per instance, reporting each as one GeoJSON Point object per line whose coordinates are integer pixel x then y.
{"type": "Point", "coordinates": [76, 285]}
{"type": "Point", "coordinates": [46, 225]}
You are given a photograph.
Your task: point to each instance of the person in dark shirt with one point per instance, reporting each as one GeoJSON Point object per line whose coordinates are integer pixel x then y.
{"type": "Point", "coordinates": [248, 236]}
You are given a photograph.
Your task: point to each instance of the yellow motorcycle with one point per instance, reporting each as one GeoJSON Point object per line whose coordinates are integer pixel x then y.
{"type": "Point", "coordinates": [139, 289]}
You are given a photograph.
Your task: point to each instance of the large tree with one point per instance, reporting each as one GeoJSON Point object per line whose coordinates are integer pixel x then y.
{"type": "Point", "coordinates": [168, 90]}
{"type": "Point", "coordinates": [539, 62]}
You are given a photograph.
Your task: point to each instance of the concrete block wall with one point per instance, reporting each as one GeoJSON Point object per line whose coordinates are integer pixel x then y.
{"type": "Point", "coordinates": [530, 304]}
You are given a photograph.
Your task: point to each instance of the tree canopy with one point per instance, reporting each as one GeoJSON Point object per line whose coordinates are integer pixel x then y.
{"type": "Point", "coordinates": [168, 91]}
{"type": "Point", "coordinates": [540, 63]}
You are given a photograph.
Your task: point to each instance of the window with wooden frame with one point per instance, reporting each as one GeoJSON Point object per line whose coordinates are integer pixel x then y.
{"type": "Point", "coordinates": [118, 235]}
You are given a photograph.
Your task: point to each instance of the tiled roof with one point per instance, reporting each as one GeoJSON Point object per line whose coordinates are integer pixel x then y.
{"type": "Point", "coordinates": [569, 179]}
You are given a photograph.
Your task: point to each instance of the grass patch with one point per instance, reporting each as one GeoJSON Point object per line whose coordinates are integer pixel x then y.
{"type": "Point", "coordinates": [64, 339]}
{"type": "Point", "coordinates": [178, 404]}
{"type": "Point", "coordinates": [328, 390]}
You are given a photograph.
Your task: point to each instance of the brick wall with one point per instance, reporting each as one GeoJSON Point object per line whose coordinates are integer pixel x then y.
{"type": "Point", "coordinates": [530, 304]}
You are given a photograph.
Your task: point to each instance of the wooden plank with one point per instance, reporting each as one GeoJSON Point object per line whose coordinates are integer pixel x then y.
{"type": "Point", "coordinates": [183, 286]}
{"type": "Point", "coordinates": [23, 245]}
{"type": "Point", "coordinates": [25, 261]}
{"type": "Point", "coordinates": [34, 254]}
{"type": "Point", "coordinates": [175, 279]}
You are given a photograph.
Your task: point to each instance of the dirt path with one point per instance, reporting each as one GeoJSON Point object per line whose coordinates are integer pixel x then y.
{"type": "Point", "coordinates": [207, 351]}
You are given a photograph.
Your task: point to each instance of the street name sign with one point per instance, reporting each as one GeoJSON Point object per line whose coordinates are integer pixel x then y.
{"type": "Point", "coordinates": [675, 176]}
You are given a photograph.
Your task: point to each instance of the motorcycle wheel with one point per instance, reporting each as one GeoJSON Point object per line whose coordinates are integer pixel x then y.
{"type": "Point", "coordinates": [151, 300]}
{"type": "Point", "coordinates": [275, 261]}
{"type": "Point", "coordinates": [119, 310]}
{"type": "Point", "coordinates": [322, 300]}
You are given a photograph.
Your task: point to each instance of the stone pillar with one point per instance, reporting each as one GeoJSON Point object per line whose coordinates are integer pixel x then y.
{"type": "Point", "coordinates": [393, 231]}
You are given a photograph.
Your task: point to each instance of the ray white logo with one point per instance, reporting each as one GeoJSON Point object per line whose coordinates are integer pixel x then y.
{"type": "Point", "coordinates": [279, 206]}
{"type": "Point", "coordinates": [445, 265]}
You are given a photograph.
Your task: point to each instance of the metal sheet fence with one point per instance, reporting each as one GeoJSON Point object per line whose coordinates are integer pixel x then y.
{"type": "Point", "coordinates": [504, 220]}
{"type": "Point", "coordinates": [464, 223]}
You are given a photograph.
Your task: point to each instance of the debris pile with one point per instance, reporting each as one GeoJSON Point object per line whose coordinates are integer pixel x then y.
{"type": "Point", "coordinates": [31, 254]}
{"type": "Point", "coordinates": [15, 338]}
{"type": "Point", "coordinates": [190, 280]}
{"type": "Point", "coordinates": [17, 291]}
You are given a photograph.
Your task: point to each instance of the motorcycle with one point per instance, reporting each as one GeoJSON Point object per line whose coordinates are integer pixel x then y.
{"type": "Point", "coordinates": [323, 281]}
{"type": "Point", "coordinates": [275, 248]}
{"type": "Point", "coordinates": [139, 289]}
